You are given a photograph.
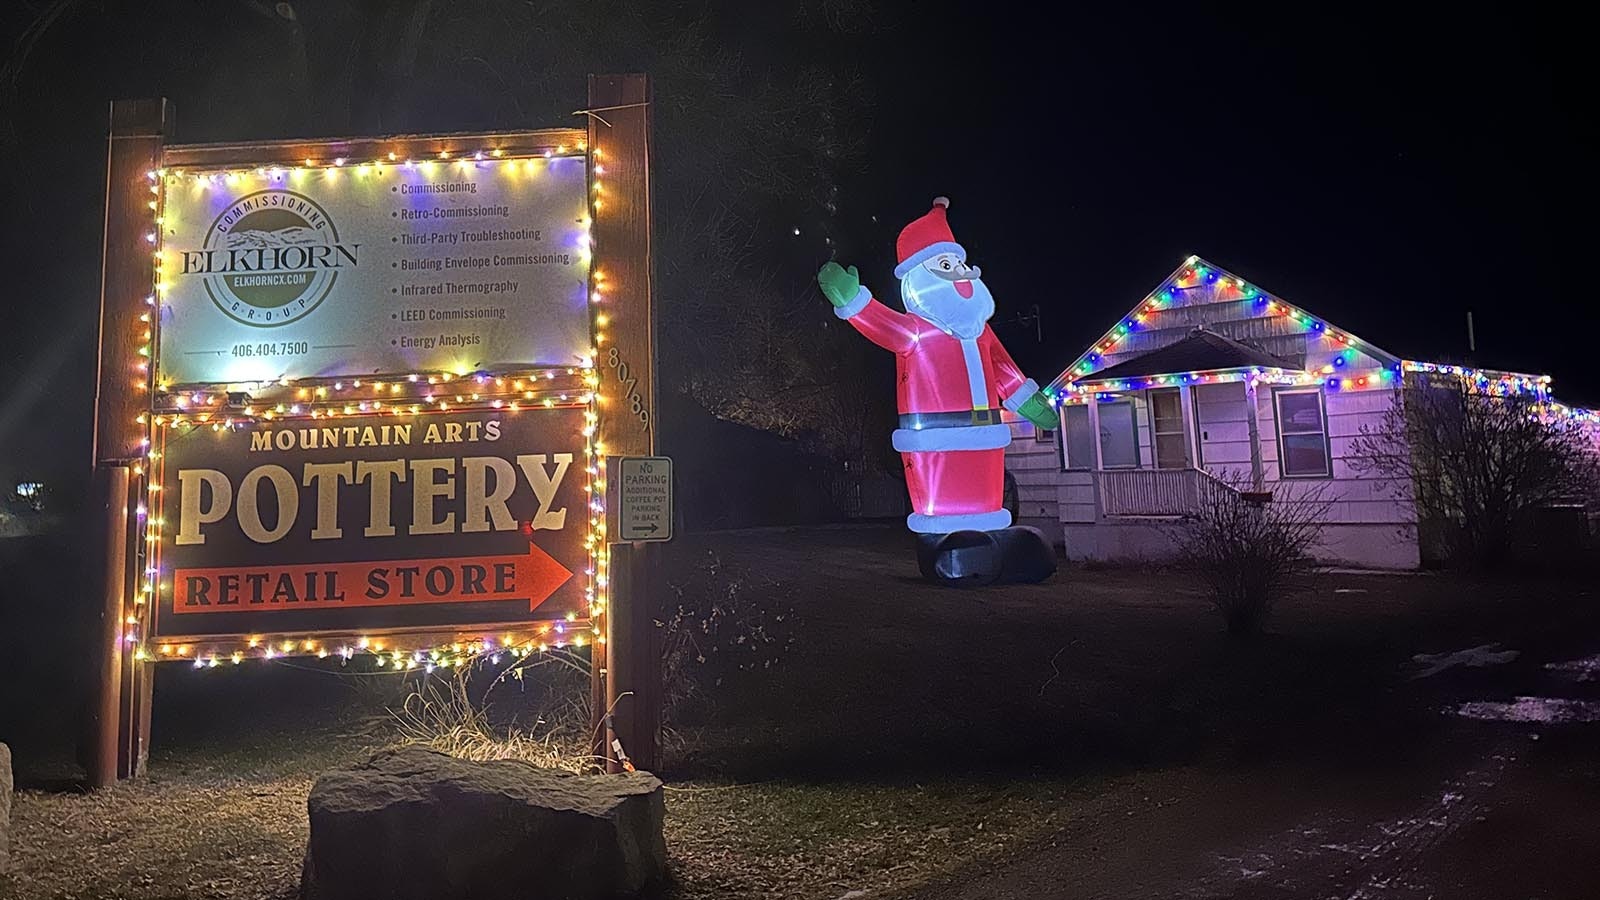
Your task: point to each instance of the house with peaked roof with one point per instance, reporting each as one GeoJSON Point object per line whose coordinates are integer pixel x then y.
{"type": "Point", "coordinates": [1211, 383]}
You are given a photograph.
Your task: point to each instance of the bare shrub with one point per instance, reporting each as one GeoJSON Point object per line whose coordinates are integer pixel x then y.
{"type": "Point", "coordinates": [1249, 553]}
{"type": "Point", "coordinates": [1477, 463]}
{"type": "Point", "coordinates": [719, 625]}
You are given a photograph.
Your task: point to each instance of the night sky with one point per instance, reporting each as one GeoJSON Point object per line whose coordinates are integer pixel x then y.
{"type": "Point", "coordinates": [1385, 171]}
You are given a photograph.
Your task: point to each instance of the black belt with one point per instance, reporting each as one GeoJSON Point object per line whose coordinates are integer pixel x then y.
{"type": "Point", "coordinates": [918, 421]}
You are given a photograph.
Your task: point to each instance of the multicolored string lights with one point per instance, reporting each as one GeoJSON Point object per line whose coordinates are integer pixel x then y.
{"type": "Point", "coordinates": [1077, 384]}
{"type": "Point", "coordinates": [1196, 274]}
{"type": "Point", "coordinates": [176, 409]}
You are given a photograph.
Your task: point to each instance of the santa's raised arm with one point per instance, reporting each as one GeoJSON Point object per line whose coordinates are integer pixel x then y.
{"type": "Point", "coordinates": [953, 377]}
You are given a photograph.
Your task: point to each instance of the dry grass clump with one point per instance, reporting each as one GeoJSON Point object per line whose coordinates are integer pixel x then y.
{"type": "Point", "coordinates": [441, 714]}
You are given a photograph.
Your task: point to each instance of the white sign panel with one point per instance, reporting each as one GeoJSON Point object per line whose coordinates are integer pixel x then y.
{"type": "Point", "coordinates": [447, 265]}
{"type": "Point", "coordinates": [644, 500]}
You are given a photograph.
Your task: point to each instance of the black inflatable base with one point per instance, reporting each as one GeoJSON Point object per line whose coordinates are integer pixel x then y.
{"type": "Point", "coordinates": [1015, 555]}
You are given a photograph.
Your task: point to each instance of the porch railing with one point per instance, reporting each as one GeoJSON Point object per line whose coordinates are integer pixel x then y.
{"type": "Point", "coordinates": [1158, 492]}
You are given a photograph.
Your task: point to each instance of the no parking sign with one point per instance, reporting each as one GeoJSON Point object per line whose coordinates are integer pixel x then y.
{"type": "Point", "coordinates": [645, 498]}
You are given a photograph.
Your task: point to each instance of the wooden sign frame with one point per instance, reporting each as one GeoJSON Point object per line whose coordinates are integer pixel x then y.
{"type": "Point", "coordinates": [131, 411]}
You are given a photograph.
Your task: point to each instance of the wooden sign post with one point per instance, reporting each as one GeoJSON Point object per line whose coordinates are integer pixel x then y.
{"type": "Point", "coordinates": [356, 398]}
{"type": "Point", "coordinates": [121, 711]}
{"type": "Point", "coordinates": [619, 136]}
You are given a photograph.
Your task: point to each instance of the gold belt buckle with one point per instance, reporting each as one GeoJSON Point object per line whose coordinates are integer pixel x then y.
{"type": "Point", "coordinates": [982, 417]}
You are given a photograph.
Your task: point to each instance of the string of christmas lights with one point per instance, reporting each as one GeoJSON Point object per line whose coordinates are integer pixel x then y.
{"type": "Point", "coordinates": [1077, 384]}
{"type": "Point", "coordinates": [339, 166]}
{"type": "Point", "coordinates": [1487, 378]}
{"type": "Point", "coordinates": [411, 394]}
{"type": "Point", "coordinates": [390, 652]}
{"type": "Point", "coordinates": [405, 395]}
{"type": "Point", "coordinates": [1194, 274]}
{"type": "Point", "coordinates": [1332, 376]}
{"type": "Point", "coordinates": [1367, 379]}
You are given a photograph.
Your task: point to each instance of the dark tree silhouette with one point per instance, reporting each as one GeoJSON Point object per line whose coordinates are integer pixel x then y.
{"type": "Point", "coordinates": [759, 126]}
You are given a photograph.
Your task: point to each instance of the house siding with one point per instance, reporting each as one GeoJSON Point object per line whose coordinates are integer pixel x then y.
{"type": "Point", "coordinates": [1036, 466]}
{"type": "Point", "coordinates": [1370, 521]}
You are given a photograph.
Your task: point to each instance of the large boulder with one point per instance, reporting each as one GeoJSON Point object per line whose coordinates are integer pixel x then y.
{"type": "Point", "coordinates": [414, 823]}
{"type": "Point", "coordinates": [5, 809]}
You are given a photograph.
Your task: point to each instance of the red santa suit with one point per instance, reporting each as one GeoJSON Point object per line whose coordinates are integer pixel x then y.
{"type": "Point", "coordinates": [950, 391]}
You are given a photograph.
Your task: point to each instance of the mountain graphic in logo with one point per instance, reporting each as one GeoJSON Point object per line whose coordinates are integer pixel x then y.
{"type": "Point", "coordinates": [283, 237]}
{"type": "Point", "coordinates": [270, 258]}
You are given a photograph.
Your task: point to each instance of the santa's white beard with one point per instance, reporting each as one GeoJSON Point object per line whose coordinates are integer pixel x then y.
{"type": "Point", "coordinates": [935, 299]}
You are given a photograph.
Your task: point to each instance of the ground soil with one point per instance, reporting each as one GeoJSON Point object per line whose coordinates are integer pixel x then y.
{"type": "Point", "coordinates": [1094, 736]}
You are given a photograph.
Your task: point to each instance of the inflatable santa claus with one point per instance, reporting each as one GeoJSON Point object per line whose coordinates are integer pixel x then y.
{"type": "Point", "coordinates": [952, 377]}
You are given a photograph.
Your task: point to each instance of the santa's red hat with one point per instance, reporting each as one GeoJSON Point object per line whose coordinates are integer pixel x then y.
{"type": "Point", "coordinates": [926, 238]}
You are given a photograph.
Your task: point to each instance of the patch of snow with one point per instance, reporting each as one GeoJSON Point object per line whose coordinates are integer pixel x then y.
{"type": "Point", "coordinates": [1356, 570]}
{"type": "Point", "coordinates": [1473, 657]}
{"type": "Point", "coordinates": [1350, 590]}
{"type": "Point", "coordinates": [1586, 669]}
{"type": "Point", "coordinates": [1337, 856]}
{"type": "Point", "coordinates": [1546, 710]}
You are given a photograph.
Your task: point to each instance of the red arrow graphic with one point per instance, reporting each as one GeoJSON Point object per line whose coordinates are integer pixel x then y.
{"type": "Point", "coordinates": [534, 575]}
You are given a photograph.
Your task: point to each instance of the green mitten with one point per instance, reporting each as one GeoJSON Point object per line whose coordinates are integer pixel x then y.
{"type": "Point", "coordinates": [1037, 409]}
{"type": "Point", "coordinates": [839, 285]}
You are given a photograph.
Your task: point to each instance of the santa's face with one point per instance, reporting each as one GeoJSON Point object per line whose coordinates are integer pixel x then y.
{"type": "Point", "coordinates": [950, 294]}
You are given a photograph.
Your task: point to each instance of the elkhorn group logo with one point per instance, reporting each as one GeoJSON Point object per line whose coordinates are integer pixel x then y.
{"type": "Point", "coordinates": [270, 258]}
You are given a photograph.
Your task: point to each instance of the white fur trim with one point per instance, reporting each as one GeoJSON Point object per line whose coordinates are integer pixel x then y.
{"type": "Point", "coordinates": [976, 383]}
{"type": "Point", "coordinates": [1021, 395]}
{"type": "Point", "coordinates": [927, 253]}
{"type": "Point", "coordinates": [966, 437]}
{"type": "Point", "coordinates": [989, 521]}
{"type": "Point", "coordinates": [849, 310]}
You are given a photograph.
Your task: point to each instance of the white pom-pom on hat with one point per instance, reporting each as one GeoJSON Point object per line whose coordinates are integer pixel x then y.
{"type": "Point", "coordinates": [925, 238]}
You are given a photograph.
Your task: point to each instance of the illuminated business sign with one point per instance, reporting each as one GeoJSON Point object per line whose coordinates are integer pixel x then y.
{"type": "Point", "coordinates": [449, 521]}
{"type": "Point", "coordinates": [440, 265]}
{"type": "Point", "coordinates": [358, 397]}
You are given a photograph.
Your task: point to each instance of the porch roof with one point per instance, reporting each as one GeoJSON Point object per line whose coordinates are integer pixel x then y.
{"type": "Point", "coordinates": [1201, 351]}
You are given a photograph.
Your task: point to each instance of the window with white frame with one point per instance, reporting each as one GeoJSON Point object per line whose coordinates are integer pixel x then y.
{"type": "Point", "coordinates": [1302, 434]}
{"type": "Point", "coordinates": [1119, 435]}
{"type": "Point", "coordinates": [1077, 444]}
